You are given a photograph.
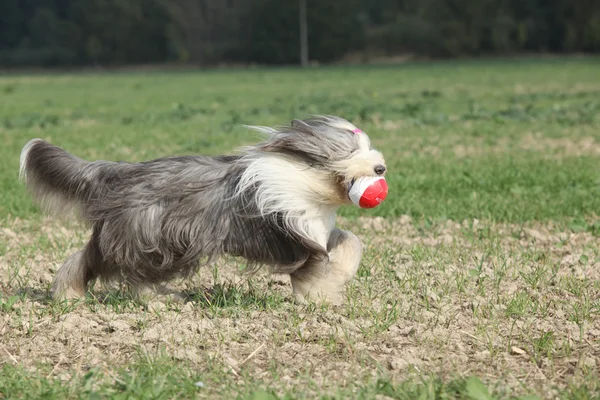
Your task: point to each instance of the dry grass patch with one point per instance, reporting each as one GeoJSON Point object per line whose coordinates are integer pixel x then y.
{"type": "Point", "coordinates": [516, 305]}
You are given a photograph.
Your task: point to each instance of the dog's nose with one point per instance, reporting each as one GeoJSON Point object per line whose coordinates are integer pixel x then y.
{"type": "Point", "coordinates": [379, 169]}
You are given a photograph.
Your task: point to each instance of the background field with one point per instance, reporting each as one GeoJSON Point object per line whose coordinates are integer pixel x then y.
{"type": "Point", "coordinates": [482, 269]}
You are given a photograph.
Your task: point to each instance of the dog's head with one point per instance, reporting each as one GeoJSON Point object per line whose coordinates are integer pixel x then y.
{"type": "Point", "coordinates": [329, 143]}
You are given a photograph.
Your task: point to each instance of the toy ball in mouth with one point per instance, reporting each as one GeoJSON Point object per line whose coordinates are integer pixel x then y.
{"type": "Point", "coordinates": [368, 192]}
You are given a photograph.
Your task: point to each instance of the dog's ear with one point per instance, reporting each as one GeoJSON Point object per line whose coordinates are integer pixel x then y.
{"type": "Point", "coordinates": [301, 125]}
{"type": "Point", "coordinates": [286, 143]}
{"type": "Point", "coordinates": [296, 123]}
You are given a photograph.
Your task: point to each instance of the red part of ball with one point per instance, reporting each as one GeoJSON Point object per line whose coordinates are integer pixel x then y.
{"type": "Point", "coordinates": [374, 195]}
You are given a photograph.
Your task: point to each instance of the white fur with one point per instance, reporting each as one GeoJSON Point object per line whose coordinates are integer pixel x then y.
{"type": "Point", "coordinates": [23, 158]}
{"type": "Point", "coordinates": [307, 195]}
{"type": "Point", "coordinates": [361, 163]}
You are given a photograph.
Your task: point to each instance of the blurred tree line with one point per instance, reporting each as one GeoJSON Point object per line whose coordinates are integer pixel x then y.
{"type": "Point", "coordinates": [104, 32]}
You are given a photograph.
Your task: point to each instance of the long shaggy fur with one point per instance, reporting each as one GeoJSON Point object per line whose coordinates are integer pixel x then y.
{"type": "Point", "coordinates": [274, 204]}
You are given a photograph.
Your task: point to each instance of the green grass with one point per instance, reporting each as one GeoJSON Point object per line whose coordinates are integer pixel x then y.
{"type": "Point", "coordinates": [156, 379]}
{"type": "Point", "coordinates": [420, 115]}
{"type": "Point", "coordinates": [490, 290]}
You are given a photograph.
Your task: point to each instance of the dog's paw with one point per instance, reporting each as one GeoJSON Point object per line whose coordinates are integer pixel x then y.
{"type": "Point", "coordinates": [318, 296]}
{"type": "Point", "coordinates": [67, 294]}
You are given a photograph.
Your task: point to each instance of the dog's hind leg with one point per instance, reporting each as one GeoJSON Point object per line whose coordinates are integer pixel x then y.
{"type": "Point", "coordinates": [71, 280]}
{"type": "Point", "coordinates": [325, 281]}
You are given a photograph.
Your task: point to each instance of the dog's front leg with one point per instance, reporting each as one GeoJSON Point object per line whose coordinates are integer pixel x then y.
{"type": "Point", "coordinates": [325, 280]}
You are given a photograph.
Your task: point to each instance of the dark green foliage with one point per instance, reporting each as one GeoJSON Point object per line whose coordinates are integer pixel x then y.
{"type": "Point", "coordinates": [105, 32]}
{"type": "Point", "coordinates": [473, 27]}
{"type": "Point", "coordinates": [334, 29]}
{"type": "Point", "coordinates": [63, 32]}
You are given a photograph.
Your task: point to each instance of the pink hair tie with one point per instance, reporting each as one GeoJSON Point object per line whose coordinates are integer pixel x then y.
{"type": "Point", "coordinates": [356, 130]}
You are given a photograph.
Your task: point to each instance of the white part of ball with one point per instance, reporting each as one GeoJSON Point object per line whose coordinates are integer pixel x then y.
{"type": "Point", "coordinates": [359, 187]}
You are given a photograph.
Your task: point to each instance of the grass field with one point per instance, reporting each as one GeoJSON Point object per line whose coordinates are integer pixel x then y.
{"type": "Point", "coordinates": [481, 274]}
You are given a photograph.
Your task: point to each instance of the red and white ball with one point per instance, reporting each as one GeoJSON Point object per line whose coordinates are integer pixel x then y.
{"type": "Point", "coordinates": [368, 192]}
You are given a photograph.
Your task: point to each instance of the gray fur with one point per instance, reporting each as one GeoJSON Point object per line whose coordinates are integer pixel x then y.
{"type": "Point", "coordinates": [312, 140]}
{"type": "Point", "coordinates": [157, 220]}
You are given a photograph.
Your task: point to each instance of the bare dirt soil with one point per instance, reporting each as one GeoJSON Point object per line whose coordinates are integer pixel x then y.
{"type": "Point", "coordinates": [516, 305]}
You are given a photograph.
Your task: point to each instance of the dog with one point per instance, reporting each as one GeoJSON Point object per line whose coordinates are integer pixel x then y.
{"type": "Point", "coordinates": [274, 204]}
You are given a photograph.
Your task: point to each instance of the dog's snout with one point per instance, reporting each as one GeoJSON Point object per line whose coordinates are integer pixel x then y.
{"type": "Point", "coordinates": [379, 169]}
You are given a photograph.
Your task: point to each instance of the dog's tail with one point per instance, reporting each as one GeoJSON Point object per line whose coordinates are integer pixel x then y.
{"type": "Point", "coordinates": [59, 181]}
